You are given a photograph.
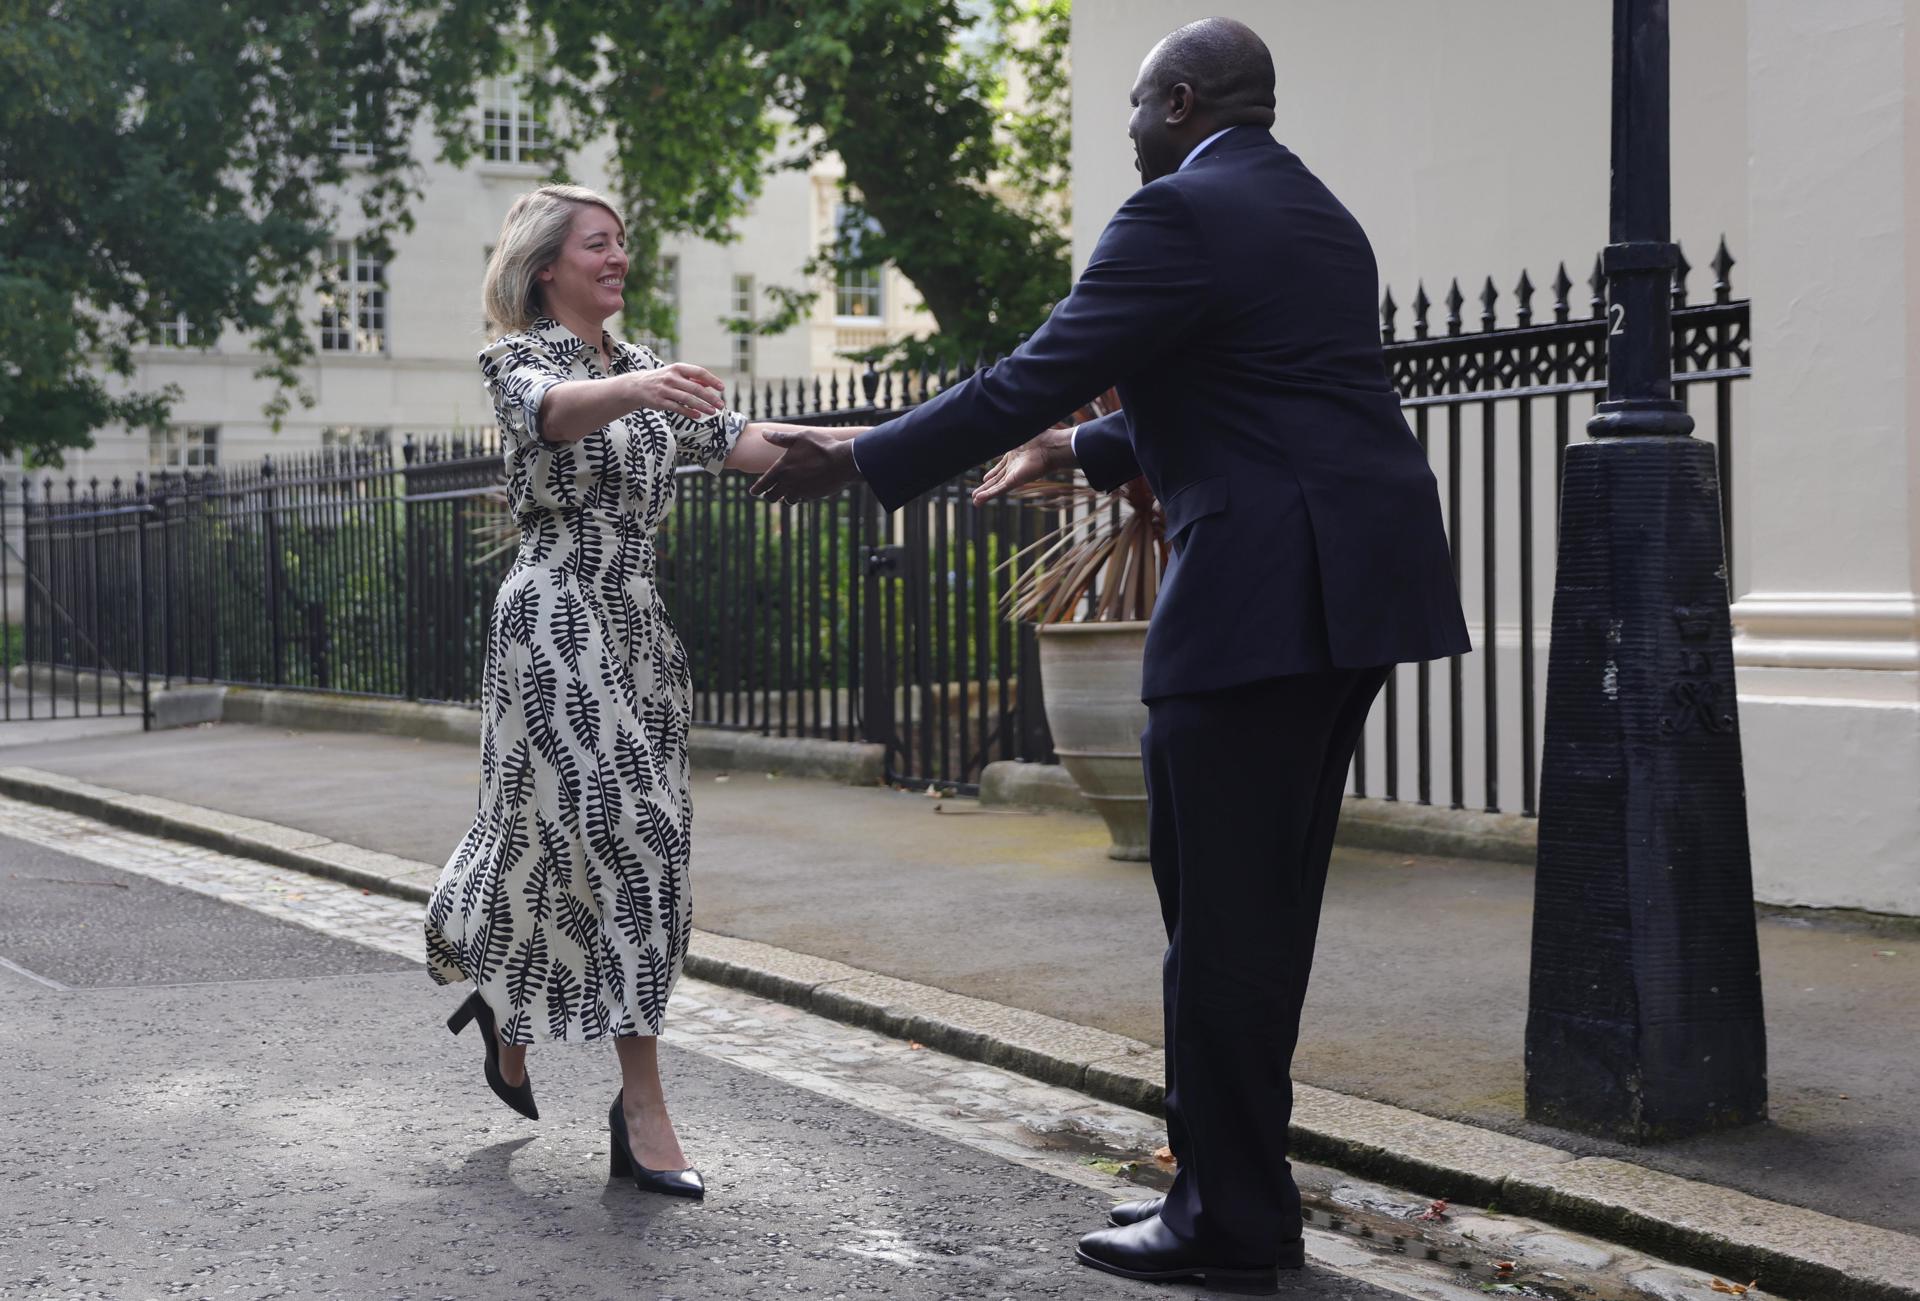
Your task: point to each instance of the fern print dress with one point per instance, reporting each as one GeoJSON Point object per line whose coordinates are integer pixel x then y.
{"type": "Point", "coordinates": [567, 901]}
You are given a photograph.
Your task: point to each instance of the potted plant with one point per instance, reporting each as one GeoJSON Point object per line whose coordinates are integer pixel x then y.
{"type": "Point", "coordinates": [1089, 586]}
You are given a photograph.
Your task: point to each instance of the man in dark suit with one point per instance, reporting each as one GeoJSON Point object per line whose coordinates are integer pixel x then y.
{"type": "Point", "coordinates": [1231, 303]}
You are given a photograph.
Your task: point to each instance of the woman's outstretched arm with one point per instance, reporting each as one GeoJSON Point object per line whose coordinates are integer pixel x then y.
{"type": "Point", "coordinates": [571, 410]}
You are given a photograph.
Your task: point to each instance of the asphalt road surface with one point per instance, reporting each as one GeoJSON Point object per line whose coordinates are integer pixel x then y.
{"type": "Point", "coordinates": [238, 1088]}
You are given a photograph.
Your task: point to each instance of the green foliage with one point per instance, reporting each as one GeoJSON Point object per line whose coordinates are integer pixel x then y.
{"type": "Point", "coordinates": [733, 615]}
{"type": "Point", "coordinates": [341, 597]}
{"type": "Point", "coordinates": [167, 158]}
{"type": "Point", "coordinates": [703, 100]}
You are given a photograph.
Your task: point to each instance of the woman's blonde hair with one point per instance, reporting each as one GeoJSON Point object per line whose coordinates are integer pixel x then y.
{"type": "Point", "coordinates": [530, 239]}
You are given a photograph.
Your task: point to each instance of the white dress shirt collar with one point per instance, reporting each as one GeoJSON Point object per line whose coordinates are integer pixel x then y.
{"type": "Point", "coordinates": [1201, 148]}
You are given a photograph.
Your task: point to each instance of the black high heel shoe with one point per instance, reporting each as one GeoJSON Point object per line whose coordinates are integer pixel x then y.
{"type": "Point", "coordinates": [518, 1096]}
{"type": "Point", "coordinates": [674, 1183]}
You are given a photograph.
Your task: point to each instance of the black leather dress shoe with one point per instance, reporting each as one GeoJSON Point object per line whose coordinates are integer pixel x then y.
{"type": "Point", "coordinates": [1149, 1251]}
{"type": "Point", "coordinates": [1133, 1212]}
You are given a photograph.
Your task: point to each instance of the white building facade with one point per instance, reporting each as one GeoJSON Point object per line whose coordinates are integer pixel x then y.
{"type": "Point", "coordinates": [1471, 139]}
{"type": "Point", "coordinates": [395, 340]}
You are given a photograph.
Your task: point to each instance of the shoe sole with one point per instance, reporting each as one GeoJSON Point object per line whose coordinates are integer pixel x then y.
{"type": "Point", "coordinates": [1240, 1282]}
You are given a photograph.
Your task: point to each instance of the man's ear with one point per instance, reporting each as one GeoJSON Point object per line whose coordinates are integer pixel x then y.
{"type": "Point", "coordinates": [1179, 103]}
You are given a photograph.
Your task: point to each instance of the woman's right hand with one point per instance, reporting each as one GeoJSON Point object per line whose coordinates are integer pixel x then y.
{"type": "Point", "coordinates": [683, 388]}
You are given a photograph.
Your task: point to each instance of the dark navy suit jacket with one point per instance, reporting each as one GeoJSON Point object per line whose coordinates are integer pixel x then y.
{"type": "Point", "coordinates": [1232, 306]}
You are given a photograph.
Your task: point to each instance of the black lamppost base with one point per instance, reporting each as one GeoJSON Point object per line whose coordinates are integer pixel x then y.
{"type": "Point", "coordinates": [1632, 417]}
{"type": "Point", "coordinates": [1645, 1019]}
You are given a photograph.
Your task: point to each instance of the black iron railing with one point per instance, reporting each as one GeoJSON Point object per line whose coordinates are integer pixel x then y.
{"type": "Point", "coordinates": [1493, 407]}
{"type": "Point", "coordinates": [72, 604]}
{"type": "Point", "coordinates": [368, 573]}
{"type": "Point", "coordinates": [372, 573]}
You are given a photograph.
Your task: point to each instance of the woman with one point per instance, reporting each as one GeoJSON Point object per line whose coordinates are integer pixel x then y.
{"type": "Point", "coordinates": [567, 901]}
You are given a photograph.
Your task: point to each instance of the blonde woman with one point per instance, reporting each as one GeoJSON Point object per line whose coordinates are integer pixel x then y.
{"type": "Point", "coordinates": [567, 902]}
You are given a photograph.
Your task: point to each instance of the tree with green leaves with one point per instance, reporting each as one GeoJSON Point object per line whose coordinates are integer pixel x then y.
{"type": "Point", "coordinates": [174, 160]}
{"type": "Point", "coordinates": [947, 179]}
{"type": "Point", "coordinates": [168, 160]}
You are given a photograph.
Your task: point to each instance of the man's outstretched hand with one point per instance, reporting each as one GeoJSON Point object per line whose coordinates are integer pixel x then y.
{"type": "Point", "coordinates": [1047, 454]}
{"type": "Point", "coordinates": [814, 465]}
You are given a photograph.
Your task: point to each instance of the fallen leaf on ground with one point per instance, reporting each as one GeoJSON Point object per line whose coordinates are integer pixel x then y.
{"type": "Point", "coordinates": [1734, 1289]}
{"type": "Point", "coordinates": [915, 1043]}
{"type": "Point", "coordinates": [1503, 1266]}
{"type": "Point", "coordinates": [1437, 1211]}
{"type": "Point", "coordinates": [1164, 1156]}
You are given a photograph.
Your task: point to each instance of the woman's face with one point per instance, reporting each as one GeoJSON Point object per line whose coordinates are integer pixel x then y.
{"type": "Point", "coordinates": [586, 281]}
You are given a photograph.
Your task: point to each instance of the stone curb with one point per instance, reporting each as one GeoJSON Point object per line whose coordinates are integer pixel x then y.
{"type": "Point", "coordinates": [1364, 823]}
{"type": "Point", "coordinates": [852, 762]}
{"type": "Point", "coordinates": [315, 711]}
{"type": "Point", "coordinates": [1404, 828]}
{"type": "Point", "coordinates": [1031, 786]}
{"type": "Point", "coordinates": [1795, 1252]}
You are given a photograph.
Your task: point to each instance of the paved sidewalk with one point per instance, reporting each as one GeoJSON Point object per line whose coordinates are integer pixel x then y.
{"type": "Point", "coordinates": [1420, 985]}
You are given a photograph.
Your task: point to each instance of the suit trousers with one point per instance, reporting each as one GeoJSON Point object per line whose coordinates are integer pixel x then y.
{"type": "Point", "coordinates": [1244, 788]}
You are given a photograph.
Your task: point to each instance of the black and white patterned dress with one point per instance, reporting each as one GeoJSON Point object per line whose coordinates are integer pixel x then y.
{"type": "Point", "coordinates": [567, 901]}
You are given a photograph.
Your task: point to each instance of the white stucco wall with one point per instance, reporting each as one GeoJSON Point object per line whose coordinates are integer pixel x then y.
{"type": "Point", "coordinates": [1826, 644]}
{"type": "Point", "coordinates": [1471, 139]}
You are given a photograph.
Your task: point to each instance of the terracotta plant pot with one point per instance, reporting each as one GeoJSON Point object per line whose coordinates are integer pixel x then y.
{"type": "Point", "coordinates": [1090, 676]}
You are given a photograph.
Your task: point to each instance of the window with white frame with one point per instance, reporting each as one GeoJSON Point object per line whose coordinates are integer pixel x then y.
{"type": "Point", "coordinates": [856, 293]}
{"type": "Point", "coordinates": [346, 137]}
{"type": "Point", "coordinates": [667, 286]}
{"type": "Point", "coordinates": [742, 304]}
{"type": "Point", "coordinates": [184, 447]}
{"type": "Point", "coordinates": [349, 437]}
{"type": "Point", "coordinates": [182, 333]}
{"type": "Point", "coordinates": [353, 301]}
{"type": "Point", "coordinates": [510, 125]}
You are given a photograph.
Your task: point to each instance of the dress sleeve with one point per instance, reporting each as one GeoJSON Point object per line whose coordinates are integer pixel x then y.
{"type": "Point", "coordinates": [518, 373]}
{"type": "Point", "coordinates": [705, 443]}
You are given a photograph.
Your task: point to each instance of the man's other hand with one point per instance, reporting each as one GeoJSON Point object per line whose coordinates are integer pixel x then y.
{"type": "Point", "coordinates": [1047, 454]}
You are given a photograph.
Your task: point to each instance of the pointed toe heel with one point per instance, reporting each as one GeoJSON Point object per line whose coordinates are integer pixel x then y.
{"type": "Point", "coordinates": [518, 1096]}
{"type": "Point", "coordinates": [621, 1164]}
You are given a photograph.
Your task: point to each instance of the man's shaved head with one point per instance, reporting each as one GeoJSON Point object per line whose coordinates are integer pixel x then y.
{"type": "Point", "coordinates": [1227, 65]}
{"type": "Point", "coordinates": [1206, 76]}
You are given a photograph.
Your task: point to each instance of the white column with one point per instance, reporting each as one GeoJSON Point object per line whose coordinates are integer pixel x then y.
{"type": "Point", "coordinates": [1827, 467]}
